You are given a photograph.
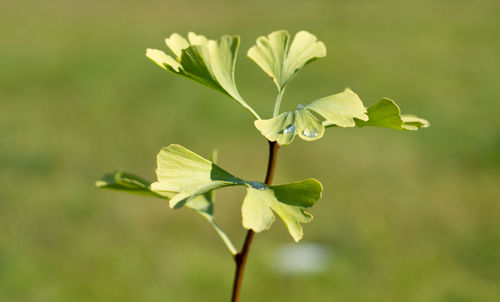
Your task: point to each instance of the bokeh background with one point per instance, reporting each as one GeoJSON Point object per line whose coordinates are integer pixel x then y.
{"type": "Point", "coordinates": [404, 217]}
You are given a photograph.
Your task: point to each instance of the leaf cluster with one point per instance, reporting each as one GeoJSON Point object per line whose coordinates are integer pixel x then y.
{"type": "Point", "coordinates": [186, 179]}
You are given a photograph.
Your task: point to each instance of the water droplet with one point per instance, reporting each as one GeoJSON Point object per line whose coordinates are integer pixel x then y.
{"type": "Point", "coordinates": [300, 106]}
{"type": "Point", "coordinates": [310, 132]}
{"type": "Point", "coordinates": [257, 185]}
{"type": "Point", "coordinates": [289, 129]}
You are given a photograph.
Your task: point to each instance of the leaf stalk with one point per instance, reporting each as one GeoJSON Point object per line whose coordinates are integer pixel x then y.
{"type": "Point", "coordinates": [277, 103]}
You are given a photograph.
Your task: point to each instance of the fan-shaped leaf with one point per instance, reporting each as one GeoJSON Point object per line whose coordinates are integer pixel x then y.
{"type": "Point", "coordinates": [209, 62]}
{"type": "Point", "coordinates": [186, 178]}
{"type": "Point", "coordinates": [288, 201]}
{"type": "Point", "coordinates": [385, 113]}
{"type": "Point", "coordinates": [126, 182]}
{"type": "Point", "coordinates": [282, 60]}
{"type": "Point", "coordinates": [339, 109]}
{"type": "Point", "coordinates": [188, 174]}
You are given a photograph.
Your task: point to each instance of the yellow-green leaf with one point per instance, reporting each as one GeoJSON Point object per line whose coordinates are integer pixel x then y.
{"type": "Point", "coordinates": [126, 182]}
{"type": "Point", "coordinates": [280, 59]}
{"type": "Point", "coordinates": [385, 113]}
{"type": "Point", "coordinates": [288, 201]}
{"type": "Point", "coordinates": [185, 178]}
{"type": "Point", "coordinates": [339, 109]}
{"type": "Point", "coordinates": [209, 62]}
{"type": "Point", "coordinates": [188, 174]}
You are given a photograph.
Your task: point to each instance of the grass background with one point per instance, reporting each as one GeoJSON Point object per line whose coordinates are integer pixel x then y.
{"type": "Point", "coordinates": [405, 216]}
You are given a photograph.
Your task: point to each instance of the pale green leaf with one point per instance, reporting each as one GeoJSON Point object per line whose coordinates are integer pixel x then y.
{"type": "Point", "coordinates": [288, 201]}
{"type": "Point", "coordinates": [286, 126]}
{"type": "Point", "coordinates": [412, 122]}
{"type": "Point", "coordinates": [280, 59]}
{"type": "Point", "coordinates": [385, 113]}
{"type": "Point", "coordinates": [126, 182]}
{"type": "Point", "coordinates": [339, 109]}
{"type": "Point", "coordinates": [163, 60]}
{"type": "Point", "coordinates": [190, 175]}
{"type": "Point", "coordinates": [130, 183]}
{"type": "Point", "coordinates": [280, 129]}
{"type": "Point", "coordinates": [186, 178]}
{"type": "Point", "coordinates": [203, 205]}
{"type": "Point", "coordinates": [292, 217]}
{"type": "Point", "coordinates": [176, 43]}
{"type": "Point", "coordinates": [309, 128]}
{"type": "Point", "coordinates": [209, 62]}
{"type": "Point", "coordinates": [301, 193]}
{"type": "Point", "coordinates": [256, 212]}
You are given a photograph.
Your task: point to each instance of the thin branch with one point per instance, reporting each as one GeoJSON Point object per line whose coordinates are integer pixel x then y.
{"type": "Point", "coordinates": [210, 218]}
{"type": "Point", "coordinates": [224, 238]}
{"type": "Point", "coordinates": [252, 111]}
{"type": "Point", "coordinates": [271, 163]}
{"type": "Point", "coordinates": [241, 257]}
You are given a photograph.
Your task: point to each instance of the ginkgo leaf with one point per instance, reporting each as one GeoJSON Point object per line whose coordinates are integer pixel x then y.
{"type": "Point", "coordinates": [187, 179]}
{"type": "Point", "coordinates": [280, 59]}
{"type": "Point", "coordinates": [190, 175]}
{"type": "Point", "coordinates": [287, 125]}
{"type": "Point", "coordinates": [209, 62]}
{"type": "Point", "coordinates": [339, 109]}
{"type": "Point", "coordinates": [385, 113]}
{"type": "Point", "coordinates": [130, 183]}
{"type": "Point", "coordinates": [256, 213]}
{"type": "Point", "coordinates": [288, 201]}
{"type": "Point", "coordinates": [309, 127]}
{"type": "Point", "coordinates": [280, 129]}
{"type": "Point", "coordinates": [301, 193]}
{"type": "Point", "coordinates": [126, 182]}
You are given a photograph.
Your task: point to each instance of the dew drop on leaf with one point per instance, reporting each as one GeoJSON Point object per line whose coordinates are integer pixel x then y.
{"type": "Point", "coordinates": [257, 185]}
{"type": "Point", "coordinates": [289, 129]}
{"type": "Point", "coordinates": [310, 132]}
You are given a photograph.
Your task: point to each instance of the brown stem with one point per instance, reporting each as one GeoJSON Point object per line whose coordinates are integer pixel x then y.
{"type": "Point", "coordinates": [271, 163]}
{"type": "Point", "coordinates": [241, 257]}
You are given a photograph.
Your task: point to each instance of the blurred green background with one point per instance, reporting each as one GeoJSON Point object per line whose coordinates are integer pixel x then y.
{"type": "Point", "coordinates": [404, 217]}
